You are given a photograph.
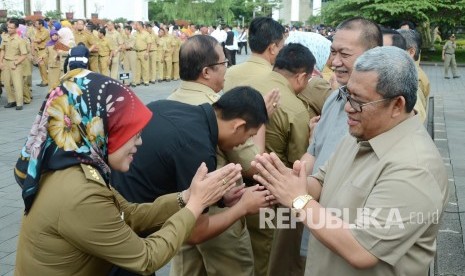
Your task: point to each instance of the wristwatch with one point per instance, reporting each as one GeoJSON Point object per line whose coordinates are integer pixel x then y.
{"type": "Point", "coordinates": [299, 202]}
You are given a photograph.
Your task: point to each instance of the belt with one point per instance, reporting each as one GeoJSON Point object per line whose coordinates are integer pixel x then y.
{"type": "Point", "coordinates": [103, 56]}
{"type": "Point", "coordinates": [141, 50]}
{"type": "Point", "coordinates": [40, 48]}
{"type": "Point", "coordinates": [152, 51]}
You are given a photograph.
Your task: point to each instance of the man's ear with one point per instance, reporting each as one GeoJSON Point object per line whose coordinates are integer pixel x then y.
{"type": "Point", "coordinates": [237, 123]}
{"type": "Point", "coordinates": [399, 106]}
{"type": "Point", "coordinates": [206, 73]}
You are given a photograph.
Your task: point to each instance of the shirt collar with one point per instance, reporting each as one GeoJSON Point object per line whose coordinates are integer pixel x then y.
{"type": "Point", "coordinates": [382, 143]}
{"type": "Point", "coordinates": [212, 122]}
{"type": "Point", "coordinates": [259, 60]}
{"type": "Point", "coordinates": [195, 86]}
{"type": "Point", "coordinates": [281, 79]}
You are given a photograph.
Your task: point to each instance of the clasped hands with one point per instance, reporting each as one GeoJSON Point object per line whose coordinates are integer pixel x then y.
{"type": "Point", "coordinates": [285, 184]}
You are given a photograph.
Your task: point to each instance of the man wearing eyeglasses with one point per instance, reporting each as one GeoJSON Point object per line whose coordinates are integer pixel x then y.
{"type": "Point", "coordinates": [353, 37]}
{"type": "Point", "coordinates": [363, 207]}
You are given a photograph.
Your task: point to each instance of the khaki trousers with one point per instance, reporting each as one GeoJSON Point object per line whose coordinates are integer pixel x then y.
{"type": "Point", "coordinates": [285, 256]}
{"type": "Point", "coordinates": [261, 240]}
{"type": "Point", "coordinates": [153, 65]}
{"type": "Point", "coordinates": [175, 70]}
{"type": "Point", "coordinates": [142, 68]}
{"type": "Point", "coordinates": [449, 61]}
{"type": "Point", "coordinates": [114, 70]}
{"type": "Point", "coordinates": [93, 63]}
{"type": "Point", "coordinates": [130, 64]}
{"type": "Point", "coordinates": [168, 69]}
{"type": "Point", "coordinates": [104, 65]}
{"type": "Point", "coordinates": [54, 74]}
{"type": "Point", "coordinates": [13, 79]}
{"type": "Point", "coordinates": [42, 66]}
{"type": "Point", "coordinates": [227, 254]}
{"type": "Point", "coordinates": [27, 95]}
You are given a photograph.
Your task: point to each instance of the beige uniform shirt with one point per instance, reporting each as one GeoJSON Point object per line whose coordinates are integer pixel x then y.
{"type": "Point", "coordinates": [243, 73]}
{"type": "Point", "coordinates": [105, 47]}
{"type": "Point", "coordinates": [399, 175]}
{"type": "Point", "coordinates": [287, 131]}
{"type": "Point", "coordinates": [13, 47]}
{"type": "Point", "coordinates": [423, 82]}
{"type": "Point", "coordinates": [75, 227]}
{"type": "Point", "coordinates": [142, 41]}
{"type": "Point", "coordinates": [115, 38]}
{"type": "Point", "coordinates": [85, 37]}
{"type": "Point", "coordinates": [314, 95]}
{"type": "Point", "coordinates": [43, 35]}
{"type": "Point", "coordinates": [177, 47]}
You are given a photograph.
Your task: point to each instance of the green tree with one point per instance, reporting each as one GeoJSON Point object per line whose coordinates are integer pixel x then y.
{"type": "Point", "coordinates": [392, 12]}
{"type": "Point", "coordinates": [210, 12]}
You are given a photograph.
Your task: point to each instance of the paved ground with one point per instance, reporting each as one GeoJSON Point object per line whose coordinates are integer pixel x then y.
{"type": "Point", "coordinates": [449, 125]}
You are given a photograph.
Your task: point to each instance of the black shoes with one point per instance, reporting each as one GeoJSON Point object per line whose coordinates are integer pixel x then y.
{"type": "Point", "coordinates": [146, 84]}
{"type": "Point", "coordinates": [447, 77]}
{"type": "Point", "coordinates": [153, 82]}
{"type": "Point", "coordinates": [20, 107]}
{"type": "Point", "coordinates": [10, 105]}
{"type": "Point", "coordinates": [42, 84]}
{"type": "Point", "coordinates": [456, 77]}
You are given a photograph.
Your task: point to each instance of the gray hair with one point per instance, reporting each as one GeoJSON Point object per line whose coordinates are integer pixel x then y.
{"type": "Point", "coordinates": [413, 40]}
{"type": "Point", "coordinates": [397, 73]}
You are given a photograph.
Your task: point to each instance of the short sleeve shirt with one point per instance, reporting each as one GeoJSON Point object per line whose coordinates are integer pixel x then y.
{"type": "Point", "coordinates": [287, 131]}
{"type": "Point", "coordinates": [13, 46]}
{"type": "Point", "coordinates": [244, 73]}
{"type": "Point", "coordinates": [383, 187]}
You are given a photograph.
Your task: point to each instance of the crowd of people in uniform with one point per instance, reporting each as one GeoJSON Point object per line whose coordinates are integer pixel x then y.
{"type": "Point", "coordinates": [319, 125]}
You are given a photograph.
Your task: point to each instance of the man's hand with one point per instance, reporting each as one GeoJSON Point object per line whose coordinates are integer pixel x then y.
{"type": "Point", "coordinates": [234, 195]}
{"type": "Point", "coordinates": [272, 101]}
{"type": "Point", "coordinates": [256, 197]}
{"type": "Point", "coordinates": [282, 182]}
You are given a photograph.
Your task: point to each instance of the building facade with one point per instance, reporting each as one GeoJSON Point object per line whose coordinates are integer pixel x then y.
{"type": "Point", "coordinates": [109, 9]}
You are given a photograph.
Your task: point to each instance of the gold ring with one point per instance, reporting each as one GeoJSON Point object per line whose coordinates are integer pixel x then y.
{"type": "Point", "coordinates": [275, 104]}
{"type": "Point", "coordinates": [224, 182]}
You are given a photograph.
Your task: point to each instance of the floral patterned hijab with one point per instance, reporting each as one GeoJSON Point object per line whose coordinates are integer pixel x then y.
{"type": "Point", "coordinates": [81, 121]}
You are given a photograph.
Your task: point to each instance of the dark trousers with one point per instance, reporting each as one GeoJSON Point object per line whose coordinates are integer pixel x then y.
{"type": "Point", "coordinates": [231, 56]}
{"type": "Point", "coordinates": [242, 44]}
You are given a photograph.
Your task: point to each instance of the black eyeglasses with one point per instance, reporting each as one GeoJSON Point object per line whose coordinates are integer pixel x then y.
{"type": "Point", "coordinates": [225, 63]}
{"type": "Point", "coordinates": [356, 105]}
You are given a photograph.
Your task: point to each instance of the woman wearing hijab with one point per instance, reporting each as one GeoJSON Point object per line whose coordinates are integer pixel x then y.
{"type": "Point", "coordinates": [75, 223]}
{"type": "Point", "coordinates": [54, 60]}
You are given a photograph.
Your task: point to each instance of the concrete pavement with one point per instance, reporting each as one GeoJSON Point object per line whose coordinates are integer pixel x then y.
{"type": "Point", "coordinates": [449, 125]}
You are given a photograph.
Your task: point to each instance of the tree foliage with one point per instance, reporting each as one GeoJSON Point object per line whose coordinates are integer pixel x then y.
{"type": "Point", "coordinates": [446, 13]}
{"type": "Point", "coordinates": [210, 12]}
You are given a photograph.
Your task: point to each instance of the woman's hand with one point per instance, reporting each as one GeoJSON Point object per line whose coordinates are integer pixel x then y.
{"type": "Point", "coordinates": [205, 189]}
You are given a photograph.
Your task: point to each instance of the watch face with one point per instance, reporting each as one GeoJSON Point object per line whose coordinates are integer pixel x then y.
{"type": "Point", "coordinates": [299, 203]}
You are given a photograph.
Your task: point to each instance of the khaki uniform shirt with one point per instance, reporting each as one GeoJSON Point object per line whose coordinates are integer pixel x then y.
{"type": "Point", "coordinates": [176, 49]}
{"type": "Point", "coordinates": [75, 227]}
{"type": "Point", "coordinates": [115, 38]}
{"type": "Point", "coordinates": [196, 94]}
{"type": "Point", "coordinates": [105, 47]}
{"type": "Point", "coordinates": [142, 40]}
{"type": "Point", "coordinates": [168, 44]}
{"type": "Point", "coordinates": [449, 47]}
{"type": "Point", "coordinates": [314, 95]}
{"type": "Point", "coordinates": [398, 174]}
{"type": "Point", "coordinates": [53, 59]}
{"type": "Point", "coordinates": [44, 36]}
{"type": "Point", "coordinates": [13, 47]}
{"type": "Point", "coordinates": [420, 105]}
{"type": "Point", "coordinates": [287, 131]}
{"type": "Point", "coordinates": [85, 37]}
{"type": "Point", "coordinates": [245, 72]}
